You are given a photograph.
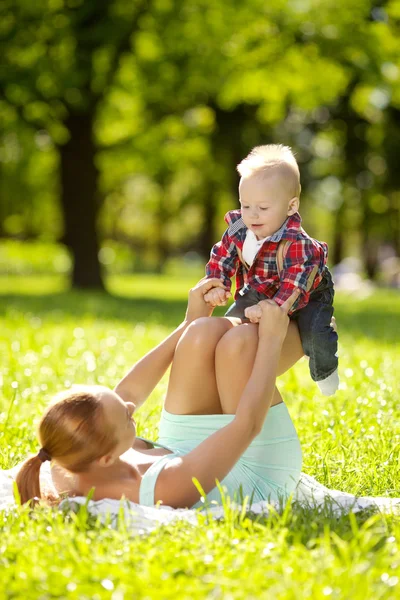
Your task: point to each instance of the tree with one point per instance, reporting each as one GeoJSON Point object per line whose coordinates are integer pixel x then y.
{"type": "Point", "coordinates": [151, 105]}
{"type": "Point", "coordinates": [60, 62]}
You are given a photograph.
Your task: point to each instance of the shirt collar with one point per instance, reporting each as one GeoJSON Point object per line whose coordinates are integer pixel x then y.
{"type": "Point", "coordinates": [278, 235]}
{"type": "Point", "coordinates": [288, 230]}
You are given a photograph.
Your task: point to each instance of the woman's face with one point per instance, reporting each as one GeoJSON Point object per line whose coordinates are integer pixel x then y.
{"type": "Point", "coordinates": [119, 415]}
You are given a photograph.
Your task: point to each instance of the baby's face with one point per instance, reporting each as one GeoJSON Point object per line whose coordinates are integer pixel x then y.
{"type": "Point", "coordinates": [265, 204]}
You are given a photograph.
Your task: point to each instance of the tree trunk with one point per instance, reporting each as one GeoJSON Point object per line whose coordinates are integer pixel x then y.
{"type": "Point", "coordinates": [391, 147]}
{"type": "Point", "coordinates": [228, 149]}
{"type": "Point", "coordinates": [80, 202]}
{"type": "Point", "coordinates": [338, 237]}
{"type": "Point", "coordinates": [355, 150]}
{"type": "Point", "coordinates": [161, 242]}
{"type": "Point", "coordinates": [370, 256]}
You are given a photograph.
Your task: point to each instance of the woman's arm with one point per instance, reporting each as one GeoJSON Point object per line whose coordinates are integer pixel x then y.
{"type": "Point", "coordinates": [215, 457]}
{"type": "Point", "coordinates": [142, 378]}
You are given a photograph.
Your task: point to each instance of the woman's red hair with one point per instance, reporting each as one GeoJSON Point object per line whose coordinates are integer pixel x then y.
{"type": "Point", "coordinates": [73, 431]}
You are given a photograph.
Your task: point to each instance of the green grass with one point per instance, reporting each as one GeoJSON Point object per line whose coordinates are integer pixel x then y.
{"type": "Point", "coordinates": [51, 337]}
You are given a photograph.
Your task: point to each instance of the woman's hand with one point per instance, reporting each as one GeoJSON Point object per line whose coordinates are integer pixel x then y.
{"type": "Point", "coordinates": [274, 319]}
{"type": "Point", "coordinates": [197, 306]}
{"type": "Point", "coordinates": [141, 380]}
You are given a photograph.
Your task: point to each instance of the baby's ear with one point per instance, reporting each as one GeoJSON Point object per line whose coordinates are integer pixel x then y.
{"type": "Point", "coordinates": [294, 204]}
{"type": "Point", "coordinates": [106, 460]}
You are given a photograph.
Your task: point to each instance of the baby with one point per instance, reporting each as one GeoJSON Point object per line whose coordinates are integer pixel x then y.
{"type": "Point", "coordinates": [272, 256]}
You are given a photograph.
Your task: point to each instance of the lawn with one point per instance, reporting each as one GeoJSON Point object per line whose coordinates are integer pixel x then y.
{"type": "Point", "coordinates": [51, 337]}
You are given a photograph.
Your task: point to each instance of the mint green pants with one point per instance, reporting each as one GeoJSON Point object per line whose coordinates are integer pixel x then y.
{"type": "Point", "coordinates": [268, 470]}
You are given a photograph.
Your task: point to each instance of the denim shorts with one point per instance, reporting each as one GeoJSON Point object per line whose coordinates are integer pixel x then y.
{"type": "Point", "coordinates": [319, 340]}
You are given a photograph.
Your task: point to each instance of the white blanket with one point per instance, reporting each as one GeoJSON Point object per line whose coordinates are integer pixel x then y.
{"type": "Point", "coordinates": [309, 493]}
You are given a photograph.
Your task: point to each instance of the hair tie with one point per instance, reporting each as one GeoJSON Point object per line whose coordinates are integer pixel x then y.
{"type": "Point", "coordinates": [43, 455]}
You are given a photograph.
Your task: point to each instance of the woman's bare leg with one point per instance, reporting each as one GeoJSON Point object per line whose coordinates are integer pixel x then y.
{"type": "Point", "coordinates": [192, 387]}
{"type": "Point", "coordinates": [234, 360]}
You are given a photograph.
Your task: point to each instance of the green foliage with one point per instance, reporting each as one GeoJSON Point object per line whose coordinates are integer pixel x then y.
{"type": "Point", "coordinates": [350, 442]}
{"type": "Point", "coordinates": [48, 259]}
{"type": "Point", "coordinates": [17, 258]}
{"type": "Point", "coordinates": [179, 91]}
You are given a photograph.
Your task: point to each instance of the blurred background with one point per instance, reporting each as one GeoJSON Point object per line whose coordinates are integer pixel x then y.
{"type": "Point", "coordinates": [122, 121]}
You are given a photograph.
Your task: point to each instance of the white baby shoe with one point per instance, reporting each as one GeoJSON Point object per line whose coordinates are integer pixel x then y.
{"type": "Point", "coordinates": [329, 385]}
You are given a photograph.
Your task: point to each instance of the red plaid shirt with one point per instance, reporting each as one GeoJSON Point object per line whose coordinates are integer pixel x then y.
{"type": "Point", "coordinates": [302, 256]}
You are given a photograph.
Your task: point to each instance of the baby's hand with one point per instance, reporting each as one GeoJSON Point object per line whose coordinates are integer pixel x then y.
{"type": "Point", "coordinates": [253, 313]}
{"type": "Point", "coordinates": [217, 297]}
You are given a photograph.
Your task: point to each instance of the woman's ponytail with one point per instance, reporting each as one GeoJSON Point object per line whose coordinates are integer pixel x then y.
{"type": "Point", "coordinates": [73, 432]}
{"type": "Point", "coordinates": [28, 481]}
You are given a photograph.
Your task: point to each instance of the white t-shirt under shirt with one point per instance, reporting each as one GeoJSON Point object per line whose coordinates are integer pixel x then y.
{"type": "Point", "coordinates": [251, 246]}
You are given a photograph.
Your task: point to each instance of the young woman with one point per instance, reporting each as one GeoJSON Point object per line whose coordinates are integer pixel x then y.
{"type": "Point", "coordinates": [223, 419]}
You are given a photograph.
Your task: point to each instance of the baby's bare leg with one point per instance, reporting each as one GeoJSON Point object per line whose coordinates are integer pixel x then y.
{"type": "Point", "coordinates": [192, 387]}
{"type": "Point", "coordinates": [234, 362]}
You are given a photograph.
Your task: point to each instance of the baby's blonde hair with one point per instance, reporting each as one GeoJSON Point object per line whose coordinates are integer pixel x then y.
{"type": "Point", "coordinates": [272, 158]}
